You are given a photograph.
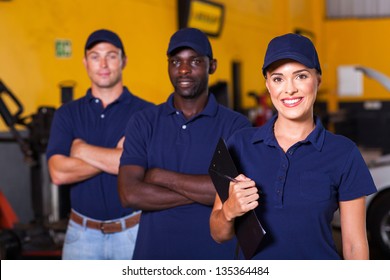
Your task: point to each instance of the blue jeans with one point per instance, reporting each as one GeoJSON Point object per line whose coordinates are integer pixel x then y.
{"type": "Point", "coordinates": [82, 243]}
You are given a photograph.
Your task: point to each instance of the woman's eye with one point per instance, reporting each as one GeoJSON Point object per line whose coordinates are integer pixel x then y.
{"type": "Point", "coordinates": [277, 80]}
{"type": "Point", "coordinates": [302, 76]}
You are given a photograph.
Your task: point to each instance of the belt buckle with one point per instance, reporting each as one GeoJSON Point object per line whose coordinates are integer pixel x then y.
{"type": "Point", "coordinates": [109, 227]}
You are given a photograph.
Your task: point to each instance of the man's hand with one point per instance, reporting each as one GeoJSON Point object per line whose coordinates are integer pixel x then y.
{"type": "Point", "coordinates": [152, 175]}
{"type": "Point", "coordinates": [102, 158]}
{"type": "Point", "coordinates": [77, 148]}
{"type": "Point", "coordinates": [120, 143]}
{"type": "Point", "coordinates": [198, 188]}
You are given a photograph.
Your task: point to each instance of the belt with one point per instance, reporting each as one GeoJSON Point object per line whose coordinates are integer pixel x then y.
{"type": "Point", "coordinates": [106, 226]}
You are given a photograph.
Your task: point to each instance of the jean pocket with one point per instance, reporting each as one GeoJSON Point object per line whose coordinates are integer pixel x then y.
{"type": "Point", "coordinates": [73, 233]}
{"type": "Point", "coordinates": [132, 233]}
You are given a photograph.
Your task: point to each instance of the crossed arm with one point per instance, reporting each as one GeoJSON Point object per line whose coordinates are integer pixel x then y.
{"type": "Point", "coordinates": [84, 161]}
{"type": "Point", "coordinates": [158, 189]}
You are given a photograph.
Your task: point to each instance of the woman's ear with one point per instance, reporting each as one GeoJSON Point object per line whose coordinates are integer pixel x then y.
{"type": "Point", "coordinates": [319, 80]}
{"type": "Point", "coordinates": [266, 83]}
{"type": "Point", "coordinates": [213, 66]}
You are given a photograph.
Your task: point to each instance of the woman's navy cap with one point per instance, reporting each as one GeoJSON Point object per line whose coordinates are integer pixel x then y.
{"type": "Point", "coordinates": [292, 46]}
{"type": "Point", "coordinates": [191, 38]}
{"type": "Point", "coordinates": [104, 35]}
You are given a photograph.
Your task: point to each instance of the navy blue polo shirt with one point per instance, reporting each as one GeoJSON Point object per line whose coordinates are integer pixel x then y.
{"type": "Point", "coordinates": [86, 119]}
{"type": "Point", "coordinates": [301, 188]}
{"type": "Point", "coordinates": [162, 137]}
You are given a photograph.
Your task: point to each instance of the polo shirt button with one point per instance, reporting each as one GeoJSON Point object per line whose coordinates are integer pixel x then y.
{"type": "Point", "coordinates": [183, 126]}
{"type": "Point", "coordinates": [177, 113]}
{"type": "Point", "coordinates": [102, 116]}
{"type": "Point", "coordinates": [96, 100]}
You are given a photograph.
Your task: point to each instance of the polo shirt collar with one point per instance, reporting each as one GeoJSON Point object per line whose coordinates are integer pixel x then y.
{"type": "Point", "coordinates": [317, 136]}
{"type": "Point", "coordinates": [169, 108]}
{"type": "Point", "coordinates": [125, 96]}
{"type": "Point", "coordinates": [266, 134]}
{"type": "Point", "coordinates": [210, 109]}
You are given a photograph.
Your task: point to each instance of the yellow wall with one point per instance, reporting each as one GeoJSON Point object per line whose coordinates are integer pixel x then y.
{"type": "Point", "coordinates": [358, 42]}
{"type": "Point", "coordinates": [29, 29]}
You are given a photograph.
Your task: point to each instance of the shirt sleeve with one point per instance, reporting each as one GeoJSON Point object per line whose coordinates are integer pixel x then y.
{"type": "Point", "coordinates": [61, 134]}
{"type": "Point", "coordinates": [135, 144]}
{"type": "Point", "coordinates": [356, 178]}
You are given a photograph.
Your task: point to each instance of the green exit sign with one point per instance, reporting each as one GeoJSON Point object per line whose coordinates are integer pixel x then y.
{"type": "Point", "coordinates": [63, 48]}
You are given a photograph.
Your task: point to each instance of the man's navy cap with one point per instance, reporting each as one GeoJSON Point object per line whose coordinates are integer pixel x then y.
{"type": "Point", "coordinates": [292, 46]}
{"type": "Point", "coordinates": [192, 38]}
{"type": "Point", "coordinates": [104, 35]}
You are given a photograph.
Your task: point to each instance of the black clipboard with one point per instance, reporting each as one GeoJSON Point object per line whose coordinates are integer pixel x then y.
{"type": "Point", "coordinates": [248, 228]}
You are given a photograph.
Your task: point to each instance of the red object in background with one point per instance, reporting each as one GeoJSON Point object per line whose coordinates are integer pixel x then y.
{"type": "Point", "coordinates": [260, 114]}
{"type": "Point", "coordinates": [265, 112]}
{"type": "Point", "coordinates": [8, 217]}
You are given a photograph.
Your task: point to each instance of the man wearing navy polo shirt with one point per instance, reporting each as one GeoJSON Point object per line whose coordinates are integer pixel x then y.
{"type": "Point", "coordinates": [166, 154]}
{"type": "Point", "coordinates": [84, 148]}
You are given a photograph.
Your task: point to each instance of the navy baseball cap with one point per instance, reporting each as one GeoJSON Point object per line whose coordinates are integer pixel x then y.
{"type": "Point", "coordinates": [292, 46]}
{"type": "Point", "coordinates": [104, 35]}
{"type": "Point", "coordinates": [192, 38]}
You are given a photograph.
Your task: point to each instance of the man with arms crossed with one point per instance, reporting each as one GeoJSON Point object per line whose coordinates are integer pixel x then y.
{"type": "Point", "coordinates": [84, 149]}
{"type": "Point", "coordinates": [167, 153]}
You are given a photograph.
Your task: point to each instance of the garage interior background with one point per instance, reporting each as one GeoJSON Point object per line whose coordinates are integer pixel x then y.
{"type": "Point", "coordinates": [42, 49]}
